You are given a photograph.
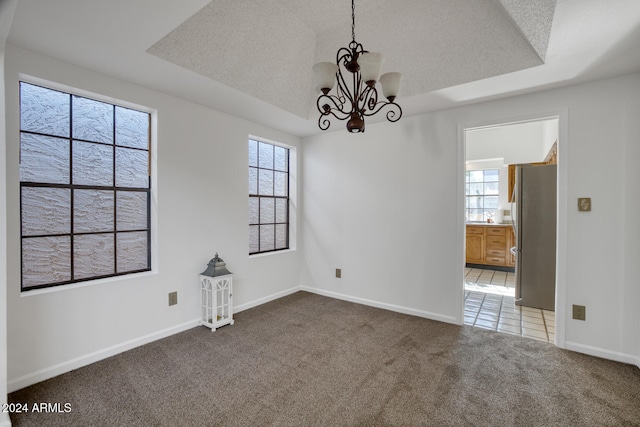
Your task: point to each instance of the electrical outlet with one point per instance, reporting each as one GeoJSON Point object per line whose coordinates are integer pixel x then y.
{"type": "Point", "coordinates": [338, 273]}
{"type": "Point", "coordinates": [173, 298]}
{"type": "Point", "coordinates": [579, 312]}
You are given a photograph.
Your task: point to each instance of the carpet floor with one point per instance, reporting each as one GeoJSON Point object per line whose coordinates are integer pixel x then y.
{"type": "Point", "coordinates": [310, 360]}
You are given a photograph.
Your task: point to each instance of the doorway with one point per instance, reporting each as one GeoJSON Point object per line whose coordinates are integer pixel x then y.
{"type": "Point", "coordinates": [493, 282]}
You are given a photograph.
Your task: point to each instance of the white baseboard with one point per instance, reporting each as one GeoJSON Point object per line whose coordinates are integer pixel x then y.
{"type": "Point", "coordinates": [61, 368]}
{"type": "Point", "coordinates": [383, 305]}
{"type": "Point", "coordinates": [602, 353]}
{"type": "Point", "coordinates": [264, 300]}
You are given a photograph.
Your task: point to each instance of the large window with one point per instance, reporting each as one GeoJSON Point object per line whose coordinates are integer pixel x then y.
{"type": "Point", "coordinates": [482, 194]}
{"type": "Point", "coordinates": [268, 197]}
{"type": "Point", "coordinates": [84, 188]}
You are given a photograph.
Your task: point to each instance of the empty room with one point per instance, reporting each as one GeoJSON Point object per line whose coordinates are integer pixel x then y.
{"type": "Point", "coordinates": [283, 212]}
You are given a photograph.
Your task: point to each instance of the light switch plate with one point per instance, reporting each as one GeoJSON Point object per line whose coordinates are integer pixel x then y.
{"type": "Point", "coordinates": [579, 312]}
{"type": "Point", "coordinates": [584, 204]}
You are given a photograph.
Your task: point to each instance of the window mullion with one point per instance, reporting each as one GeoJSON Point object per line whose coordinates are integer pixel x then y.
{"type": "Point", "coordinates": [72, 206]}
{"type": "Point", "coordinates": [115, 198]}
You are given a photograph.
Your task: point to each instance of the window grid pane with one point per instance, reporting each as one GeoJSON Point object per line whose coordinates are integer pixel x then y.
{"type": "Point", "coordinates": [481, 191]}
{"type": "Point", "coordinates": [268, 197]}
{"type": "Point", "coordinates": [79, 193]}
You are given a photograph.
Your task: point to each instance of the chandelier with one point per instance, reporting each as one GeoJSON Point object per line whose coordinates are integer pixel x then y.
{"type": "Point", "coordinates": [360, 99]}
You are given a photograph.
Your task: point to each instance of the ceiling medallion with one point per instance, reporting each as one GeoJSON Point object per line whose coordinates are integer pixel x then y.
{"type": "Point", "coordinates": [361, 98]}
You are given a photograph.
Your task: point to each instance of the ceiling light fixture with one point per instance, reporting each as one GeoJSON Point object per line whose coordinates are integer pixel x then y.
{"type": "Point", "coordinates": [361, 99]}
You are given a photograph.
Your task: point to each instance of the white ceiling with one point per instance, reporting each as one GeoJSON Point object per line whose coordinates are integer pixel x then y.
{"type": "Point", "coordinates": [253, 58]}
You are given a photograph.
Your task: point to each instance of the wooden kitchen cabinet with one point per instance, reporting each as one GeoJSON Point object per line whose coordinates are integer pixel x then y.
{"type": "Point", "coordinates": [475, 244]}
{"type": "Point", "coordinates": [489, 245]}
{"type": "Point", "coordinates": [496, 245]}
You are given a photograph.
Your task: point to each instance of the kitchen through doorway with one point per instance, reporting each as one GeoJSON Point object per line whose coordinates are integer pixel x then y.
{"type": "Point", "coordinates": [510, 213]}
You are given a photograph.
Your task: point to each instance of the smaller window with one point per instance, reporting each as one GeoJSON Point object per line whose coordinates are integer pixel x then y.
{"type": "Point", "coordinates": [481, 194]}
{"type": "Point", "coordinates": [268, 197]}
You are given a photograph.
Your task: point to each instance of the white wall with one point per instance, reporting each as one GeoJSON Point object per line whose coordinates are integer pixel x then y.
{"type": "Point", "coordinates": [202, 208]}
{"type": "Point", "coordinates": [381, 206]}
{"type": "Point", "coordinates": [549, 136]}
{"type": "Point", "coordinates": [7, 9]}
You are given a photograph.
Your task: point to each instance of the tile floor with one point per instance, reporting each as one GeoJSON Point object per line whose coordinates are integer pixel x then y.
{"type": "Point", "coordinates": [489, 303]}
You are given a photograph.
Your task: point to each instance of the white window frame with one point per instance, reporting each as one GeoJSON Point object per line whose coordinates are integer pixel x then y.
{"type": "Point", "coordinates": [293, 196]}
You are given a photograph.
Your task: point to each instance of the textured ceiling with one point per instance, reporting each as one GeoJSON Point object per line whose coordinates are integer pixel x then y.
{"type": "Point", "coordinates": [266, 48]}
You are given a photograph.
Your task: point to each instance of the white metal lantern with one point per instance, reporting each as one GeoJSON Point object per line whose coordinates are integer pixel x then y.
{"type": "Point", "coordinates": [216, 287]}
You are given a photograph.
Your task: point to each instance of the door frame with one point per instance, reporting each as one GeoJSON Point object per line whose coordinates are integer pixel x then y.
{"type": "Point", "coordinates": [562, 210]}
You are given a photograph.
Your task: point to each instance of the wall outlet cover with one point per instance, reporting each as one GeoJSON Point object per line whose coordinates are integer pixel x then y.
{"type": "Point", "coordinates": [338, 273]}
{"type": "Point", "coordinates": [173, 298]}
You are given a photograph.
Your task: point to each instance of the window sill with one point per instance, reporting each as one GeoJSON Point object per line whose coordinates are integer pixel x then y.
{"type": "Point", "coordinates": [88, 283]}
{"type": "Point", "coordinates": [284, 251]}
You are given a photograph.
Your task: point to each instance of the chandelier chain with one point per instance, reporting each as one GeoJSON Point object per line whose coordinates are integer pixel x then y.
{"type": "Point", "coordinates": [353, 20]}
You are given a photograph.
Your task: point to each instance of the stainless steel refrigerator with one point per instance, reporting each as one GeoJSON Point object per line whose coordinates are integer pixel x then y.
{"type": "Point", "coordinates": [535, 231]}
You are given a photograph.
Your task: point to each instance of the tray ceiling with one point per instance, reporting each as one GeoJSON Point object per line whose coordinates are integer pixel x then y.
{"type": "Point", "coordinates": [266, 49]}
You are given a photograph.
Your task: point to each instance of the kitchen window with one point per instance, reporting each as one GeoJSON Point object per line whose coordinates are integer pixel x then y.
{"type": "Point", "coordinates": [268, 197]}
{"type": "Point", "coordinates": [84, 188]}
{"type": "Point", "coordinates": [481, 194]}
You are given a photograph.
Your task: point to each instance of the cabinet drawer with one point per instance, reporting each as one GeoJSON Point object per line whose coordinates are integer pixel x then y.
{"type": "Point", "coordinates": [496, 253]}
{"type": "Point", "coordinates": [496, 242]}
{"type": "Point", "coordinates": [494, 260]}
{"type": "Point", "coordinates": [475, 230]}
{"type": "Point", "coordinates": [496, 231]}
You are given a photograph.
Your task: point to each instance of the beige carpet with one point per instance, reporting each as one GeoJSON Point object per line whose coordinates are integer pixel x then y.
{"type": "Point", "coordinates": [311, 360]}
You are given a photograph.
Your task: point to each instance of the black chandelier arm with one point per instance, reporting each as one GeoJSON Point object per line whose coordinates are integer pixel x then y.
{"type": "Point", "coordinates": [323, 122]}
{"type": "Point", "coordinates": [338, 114]}
{"type": "Point", "coordinates": [395, 110]}
{"type": "Point", "coordinates": [368, 98]}
{"type": "Point", "coordinates": [328, 104]}
{"type": "Point", "coordinates": [343, 89]}
{"type": "Point", "coordinates": [343, 56]}
{"type": "Point", "coordinates": [393, 115]}
{"type": "Point", "coordinates": [346, 54]}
